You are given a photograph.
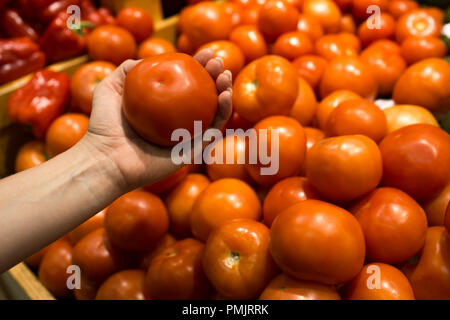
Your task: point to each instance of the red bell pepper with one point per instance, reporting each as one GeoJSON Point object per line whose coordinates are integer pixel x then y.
{"type": "Point", "coordinates": [45, 10]}
{"type": "Point", "coordinates": [18, 57]}
{"type": "Point", "coordinates": [96, 16]}
{"type": "Point", "coordinates": [40, 101]}
{"type": "Point", "coordinates": [14, 26]}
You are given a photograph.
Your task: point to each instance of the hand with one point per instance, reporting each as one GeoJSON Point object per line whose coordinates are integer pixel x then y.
{"type": "Point", "coordinates": [137, 161]}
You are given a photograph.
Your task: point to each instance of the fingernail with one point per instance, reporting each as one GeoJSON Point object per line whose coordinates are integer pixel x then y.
{"type": "Point", "coordinates": [230, 89]}
{"type": "Point", "coordinates": [229, 74]}
{"type": "Point", "coordinates": [220, 60]}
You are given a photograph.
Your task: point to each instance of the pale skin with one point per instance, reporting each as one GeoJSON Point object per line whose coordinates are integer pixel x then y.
{"type": "Point", "coordinates": [42, 204]}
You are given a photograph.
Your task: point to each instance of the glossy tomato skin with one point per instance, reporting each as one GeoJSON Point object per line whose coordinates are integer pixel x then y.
{"type": "Point", "coordinates": [250, 15]}
{"type": "Point", "coordinates": [237, 260]}
{"type": "Point", "coordinates": [177, 273]}
{"type": "Point", "coordinates": [386, 30]}
{"type": "Point", "coordinates": [84, 81]}
{"type": "Point", "coordinates": [393, 284]}
{"type": "Point", "coordinates": [394, 225]}
{"type": "Point", "coordinates": [400, 116]}
{"type": "Point", "coordinates": [399, 7]}
{"type": "Point", "coordinates": [267, 86]}
{"type": "Point", "coordinates": [124, 285]}
{"type": "Point", "coordinates": [414, 48]}
{"type": "Point", "coordinates": [143, 261]}
{"type": "Point", "coordinates": [192, 92]}
{"type": "Point", "coordinates": [35, 259]}
{"type": "Point", "coordinates": [417, 22]}
{"type": "Point", "coordinates": [291, 149]}
{"type": "Point", "coordinates": [415, 160]}
{"type": "Point", "coordinates": [136, 221]}
{"type": "Point", "coordinates": [88, 289]}
{"type": "Point", "coordinates": [330, 102]}
{"type": "Point", "coordinates": [232, 56]}
{"type": "Point", "coordinates": [310, 26]}
{"type": "Point", "coordinates": [291, 45]}
{"type": "Point", "coordinates": [153, 47]}
{"type": "Point", "coordinates": [312, 136]}
{"type": "Point", "coordinates": [310, 68]}
{"type": "Point", "coordinates": [283, 287]}
{"type": "Point", "coordinates": [229, 199]}
{"type": "Point", "coordinates": [137, 21]}
{"type": "Point", "coordinates": [331, 46]}
{"type": "Point", "coordinates": [326, 11]}
{"type": "Point", "coordinates": [359, 7]}
{"type": "Point", "coordinates": [31, 154]}
{"type": "Point", "coordinates": [321, 232]}
{"type": "Point", "coordinates": [348, 23]}
{"type": "Point", "coordinates": [284, 194]}
{"type": "Point", "coordinates": [277, 17]}
{"type": "Point", "coordinates": [168, 183]}
{"type": "Point", "coordinates": [93, 223]}
{"type": "Point", "coordinates": [435, 208]}
{"type": "Point", "coordinates": [251, 42]}
{"type": "Point", "coordinates": [333, 162]}
{"type": "Point", "coordinates": [305, 106]}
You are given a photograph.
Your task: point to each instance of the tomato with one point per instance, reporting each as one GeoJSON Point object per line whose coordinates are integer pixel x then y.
{"type": "Point", "coordinates": [191, 92]}
{"type": "Point", "coordinates": [136, 221]}
{"type": "Point", "coordinates": [310, 25]}
{"type": "Point", "coordinates": [232, 56]}
{"type": "Point", "coordinates": [88, 289]}
{"type": "Point", "coordinates": [386, 29]}
{"type": "Point", "coordinates": [305, 106]}
{"type": "Point", "coordinates": [283, 287]}
{"type": "Point", "coordinates": [250, 15]}
{"type": "Point", "coordinates": [357, 116]}
{"type": "Point", "coordinates": [185, 45]}
{"type": "Point", "coordinates": [399, 7]}
{"type": "Point", "coordinates": [267, 86]}
{"type": "Point", "coordinates": [180, 201]}
{"type": "Point", "coordinates": [331, 46]}
{"type": "Point", "coordinates": [447, 218]}
{"type": "Point", "coordinates": [228, 199]}
{"type": "Point", "coordinates": [249, 3]}
{"type": "Point", "coordinates": [277, 17]}
{"type": "Point", "coordinates": [169, 182]}
{"type": "Point", "coordinates": [330, 102]}
{"type": "Point", "coordinates": [379, 281]}
{"type": "Point", "coordinates": [153, 47]}
{"type": "Point", "coordinates": [53, 268]}
{"type": "Point", "coordinates": [235, 11]}
{"type": "Point", "coordinates": [326, 11]}
{"type": "Point", "coordinates": [311, 68]}
{"type": "Point", "coordinates": [437, 13]}
{"type": "Point", "coordinates": [348, 24]}
{"type": "Point", "coordinates": [435, 208]}
{"type": "Point", "coordinates": [430, 277]}
{"type": "Point", "coordinates": [293, 44]}
{"type": "Point", "coordinates": [425, 83]}
{"type": "Point", "coordinates": [124, 285]}
{"type": "Point", "coordinates": [84, 81]}
{"type": "Point", "coordinates": [177, 273]}
{"type": "Point", "coordinates": [137, 21]}
{"type": "Point", "coordinates": [351, 74]}
{"type": "Point", "coordinates": [400, 116]}
{"type": "Point", "coordinates": [284, 194]}
{"type": "Point", "coordinates": [344, 168]}
{"type": "Point", "coordinates": [359, 7]}
{"type": "Point", "coordinates": [97, 257]}
{"type": "Point", "coordinates": [93, 223]}
{"type": "Point", "coordinates": [415, 160]}
{"type": "Point", "coordinates": [414, 48]}
{"type": "Point", "coordinates": [65, 132]}
{"type": "Point", "coordinates": [237, 260]}
{"type": "Point", "coordinates": [111, 43]}
{"type": "Point", "coordinates": [344, 5]}
{"type": "Point", "coordinates": [34, 261]}
{"type": "Point", "coordinates": [287, 160]}
{"type": "Point", "coordinates": [417, 22]}
{"type": "Point", "coordinates": [143, 261]}
{"type": "Point", "coordinates": [31, 154]}
{"type": "Point", "coordinates": [321, 232]}
{"type": "Point", "coordinates": [250, 40]}
{"type": "Point", "coordinates": [233, 148]}
{"type": "Point", "coordinates": [312, 136]}
{"type": "Point", "coordinates": [296, 3]}
{"type": "Point", "coordinates": [237, 122]}
{"type": "Point", "coordinates": [385, 45]}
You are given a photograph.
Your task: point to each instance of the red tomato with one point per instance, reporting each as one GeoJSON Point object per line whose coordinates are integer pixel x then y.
{"type": "Point", "coordinates": [400, 116]}
{"type": "Point", "coordinates": [348, 24]}
{"type": "Point", "coordinates": [417, 22]}
{"type": "Point", "coordinates": [153, 47]}
{"type": "Point", "coordinates": [250, 40]}
{"type": "Point", "coordinates": [312, 136]}
{"type": "Point", "coordinates": [124, 285]}
{"type": "Point", "coordinates": [250, 15]}
{"type": "Point", "coordinates": [310, 25]}
{"type": "Point", "coordinates": [277, 17]}
{"type": "Point", "coordinates": [326, 11]}
{"type": "Point", "coordinates": [232, 56]}
{"type": "Point", "coordinates": [435, 208]}
{"type": "Point", "coordinates": [144, 260]}
{"type": "Point", "coordinates": [292, 45]}
{"type": "Point", "coordinates": [31, 154]}
{"type": "Point", "coordinates": [93, 223]}
{"type": "Point", "coordinates": [385, 30]}
{"type": "Point", "coordinates": [331, 46]}
{"type": "Point", "coordinates": [330, 102]}
{"type": "Point", "coordinates": [447, 218]}
{"type": "Point", "coordinates": [311, 69]}
{"type": "Point", "coordinates": [34, 261]}
{"type": "Point", "coordinates": [169, 182]}
{"type": "Point", "coordinates": [414, 48]}
{"type": "Point", "coordinates": [88, 289]}
{"type": "Point", "coordinates": [305, 106]}
{"type": "Point", "coordinates": [137, 21]}
{"type": "Point", "coordinates": [399, 7]}
{"type": "Point", "coordinates": [235, 11]}
{"type": "Point", "coordinates": [185, 45]}
{"type": "Point", "coordinates": [359, 7]}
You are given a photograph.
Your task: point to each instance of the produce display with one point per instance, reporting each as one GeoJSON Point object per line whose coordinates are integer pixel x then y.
{"type": "Point", "coordinates": [356, 106]}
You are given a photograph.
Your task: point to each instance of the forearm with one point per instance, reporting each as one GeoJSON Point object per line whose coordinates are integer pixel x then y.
{"type": "Point", "coordinates": [39, 205]}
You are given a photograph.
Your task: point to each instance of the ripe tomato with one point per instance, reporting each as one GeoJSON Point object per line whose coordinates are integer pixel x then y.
{"type": "Point", "coordinates": [379, 281]}
{"type": "Point", "coordinates": [229, 199]}
{"type": "Point", "coordinates": [357, 116]}
{"type": "Point", "coordinates": [351, 74]}
{"type": "Point", "coordinates": [137, 21]}
{"type": "Point", "coordinates": [88, 289]}
{"type": "Point", "coordinates": [400, 116]}
{"type": "Point", "coordinates": [136, 221]}
{"type": "Point", "coordinates": [124, 285]}
{"type": "Point", "coordinates": [283, 287]}
{"type": "Point", "coordinates": [250, 15]}
{"type": "Point", "coordinates": [417, 22]}
{"type": "Point", "coordinates": [344, 5]}
{"type": "Point", "coordinates": [415, 48]}
{"type": "Point", "coordinates": [237, 122]}
{"type": "Point", "coordinates": [311, 68]}
{"type": "Point", "coordinates": [232, 56]}
{"type": "Point", "coordinates": [359, 7]}
{"type": "Point", "coordinates": [415, 160]}
{"type": "Point", "coordinates": [277, 17]}
{"type": "Point", "coordinates": [330, 102]}
{"type": "Point", "coordinates": [185, 45]}
{"type": "Point", "coordinates": [84, 81]}
{"type": "Point", "coordinates": [447, 218]}
{"type": "Point", "coordinates": [180, 201]}
{"type": "Point", "coordinates": [435, 208]}
{"type": "Point", "coordinates": [326, 11]}
{"type": "Point", "coordinates": [177, 273]}
{"type": "Point", "coordinates": [344, 168]}
{"type": "Point", "coordinates": [250, 40]}
{"type": "Point", "coordinates": [191, 95]}
{"type": "Point", "coordinates": [331, 46]}
{"type": "Point", "coordinates": [52, 270]}
{"type": "Point", "coordinates": [399, 7]}
{"type": "Point", "coordinates": [385, 45]}
{"type": "Point", "coordinates": [305, 106]}
{"type": "Point", "coordinates": [430, 277]}
{"type": "Point", "coordinates": [267, 86]}
{"type": "Point", "coordinates": [310, 25]}
{"type": "Point", "coordinates": [385, 30]}
{"type": "Point", "coordinates": [437, 13]}
{"type": "Point", "coordinates": [284, 194]}
{"type": "Point", "coordinates": [312, 136]}
{"type": "Point", "coordinates": [394, 225]}
{"type": "Point", "coordinates": [93, 223]}
{"type": "Point", "coordinates": [34, 261]}
{"type": "Point", "coordinates": [169, 182]}
{"type": "Point", "coordinates": [31, 154]}
{"type": "Point", "coordinates": [235, 11]}
{"type": "Point", "coordinates": [287, 160]}
{"type": "Point", "coordinates": [237, 260]}
{"type": "Point", "coordinates": [153, 47]}
{"type": "Point", "coordinates": [348, 24]}
{"type": "Point", "coordinates": [97, 257]}
{"type": "Point", "coordinates": [65, 132]}
{"type": "Point", "coordinates": [321, 232]}
{"type": "Point", "coordinates": [111, 43]}
{"type": "Point", "coordinates": [292, 45]}
{"type": "Point", "coordinates": [144, 260]}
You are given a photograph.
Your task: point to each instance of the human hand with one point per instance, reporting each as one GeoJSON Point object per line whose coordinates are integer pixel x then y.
{"type": "Point", "coordinates": [137, 161]}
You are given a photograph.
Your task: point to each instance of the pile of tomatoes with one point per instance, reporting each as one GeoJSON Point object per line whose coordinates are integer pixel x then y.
{"type": "Point", "coordinates": [359, 208]}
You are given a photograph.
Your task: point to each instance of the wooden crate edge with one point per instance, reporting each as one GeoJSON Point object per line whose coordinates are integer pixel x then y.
{"type": "Point", "coordinates": [30, 283]}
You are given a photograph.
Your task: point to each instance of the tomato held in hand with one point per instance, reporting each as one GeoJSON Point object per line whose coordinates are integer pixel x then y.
{"type": "Point", "coordinates": [415, 48]}
{"type": "Point", "coordinates": [31, 154]}
{"type": "Point", "coordinates": [291, 45]}
{"type": "Point", "coordinates": [435, 208]}
{"type": "Point", "coordinates": [250, 40]}
{"type": "Point", "coordinates": [168, 92]}
{"type": "Point", "coordinates": [237, 260]}
{"type": "Point", "coordinates": [326, 11]}
{"type": "Point", "coordinates": [124, 285]}
{"type": "Point", "coordinates": [403, 115]}
{"type": "Point", "coordinates": [93, 223]}
{"type": "Point", "coordinates": [232, 56]}
{"type": "Point", "coordinates": [153, 47]}
{"type": "Point", "coordinates": [137, 21]}
{"type": "Point", "coordinates": [320, 232]}
{"type": "Point", "coordinates": [277, 17]}
{"type": "Point", "coordinates": [305, 106]}
{"type": "Point", "coordinates": [311, 68]}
